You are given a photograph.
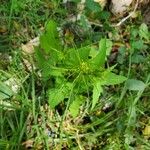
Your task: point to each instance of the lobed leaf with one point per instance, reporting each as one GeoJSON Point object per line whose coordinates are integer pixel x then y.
{"type": "Point", "coordinates": [84, 53]}
{"type": "Point", "coordinates": [99, 59]}
{"type": "Point", "coordinates": [112, 79]}
{"type": "Point", "coordinates": [97, 90]}
{"type": "Point", "coordinates": [75, 106]}
{"type": "Point", "coordinates": [57, 95]}
{"type": "Point", "coordinates": [50, 41]}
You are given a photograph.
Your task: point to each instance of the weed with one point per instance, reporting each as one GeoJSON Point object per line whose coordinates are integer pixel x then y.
{"type": "Point", "coordinates": [71, 98]}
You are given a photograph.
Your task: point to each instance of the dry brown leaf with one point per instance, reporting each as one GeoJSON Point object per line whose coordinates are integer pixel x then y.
{"type": "Point", "coordinates": [28, 144]}
{"type": "Point", "coordinates": [29, 47]}
{"type": "Point", "coordinates": [3, 29]}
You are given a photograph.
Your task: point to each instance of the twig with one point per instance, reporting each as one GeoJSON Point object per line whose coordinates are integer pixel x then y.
{"type": "Point", "coordinates": [96, 24]}
{"type": "Point", "coordinates": [122, 21]}
{"type": "Point", "coordinates": [127, 17]}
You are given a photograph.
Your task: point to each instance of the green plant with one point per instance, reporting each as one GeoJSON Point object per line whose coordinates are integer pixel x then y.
{"type": "Point", "coordinates": [77, 73]}
{"type": "Point", "coordinates": [73, 77]}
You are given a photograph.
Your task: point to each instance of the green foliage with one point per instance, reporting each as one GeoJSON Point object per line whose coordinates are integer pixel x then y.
{"type": "Point", "coordinates": [121, 55]}
{"type": "Point", "coordinates": [74, 70]}
{"type": "Point", "coordinates": [5, 91]}
{"type": "Point", "coordinates": [93, 6]}
{"type": "Point", "coordinates": [97, 90]}
{"type": "Point", "coordinates": [137, 45]}
{"type": "Point", "coordinates": [137, 58]}
{"type": "Point", "coordinates": [56, 95]}
{"type": "Point", "coordinates": [104, 15]}
{"type": "Point", "coordinates": [99, 60]}
{"type": "Point", "coordinates": [135, 85]}
{"type": "Point", "coordinates": [75, 78]}
{"type": "Point", "coordinates": [143, 32]}
{"type": "Point", "coordinates": [50, 42]}
{"type": "Point", "coordinates": [75, 105]}
{"type": "Point", "coordinates": [112, 79]}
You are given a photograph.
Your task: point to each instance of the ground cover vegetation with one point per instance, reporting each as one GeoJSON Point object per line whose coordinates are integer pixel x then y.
{"type": "Point", "coordinates": [85, 85]}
